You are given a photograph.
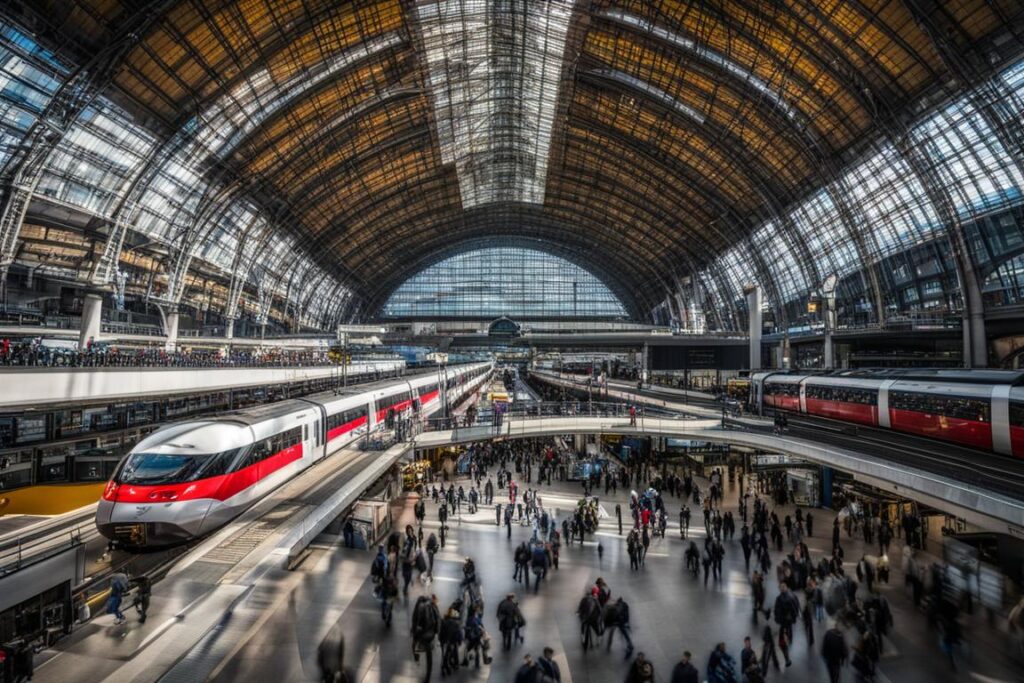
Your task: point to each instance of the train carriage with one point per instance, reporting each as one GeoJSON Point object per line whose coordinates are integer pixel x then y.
{"type": "Point", "coordinates": [978, 408]}
{"type": "Point", "coordinates": [188, 479]}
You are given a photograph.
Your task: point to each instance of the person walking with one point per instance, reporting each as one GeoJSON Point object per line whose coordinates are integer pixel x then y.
{"type": "Point", "coordinates": [787, 610]}
{"type": "Point", "coordinates": [769, 655]}
{"type": "Point", "coordinates": [450, 635]}
{"type": "Point", "coordinates": [142, 595]}
{"type": "Point", "coordinates": [758, 594]}
{"type": "Point", "coordinates": [616, 618]}
{"type": "Point", "coordinates": [549, 667]}
{"type": "Point", "coordinates": [431, 551]}
{"type": "Point", "coordinates": [510, 620]}
{"type": "Point", "coordinates": [474, 634]}
{"type": "Point", "coordinates": [641, 671]}
{"type": "Point", "coordinates": [721, 666]}
{"type": "Point", "coordinates": [835, 652]}
{"type": "Point", "coordinates": [684, 671]}
{"type": "Point", "coordinates": [118, 587]}
{"type": "Point", "coordinates": [426, 622]}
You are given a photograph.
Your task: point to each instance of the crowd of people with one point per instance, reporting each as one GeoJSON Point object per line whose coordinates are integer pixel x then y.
{"type": "Point", "coordinates": [843, 615]}
{"type": "Point", "coordinates": [36, 353]}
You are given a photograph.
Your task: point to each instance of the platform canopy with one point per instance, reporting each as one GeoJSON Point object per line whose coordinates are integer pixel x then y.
{"type": "Point", "coordinates": [648, 139]}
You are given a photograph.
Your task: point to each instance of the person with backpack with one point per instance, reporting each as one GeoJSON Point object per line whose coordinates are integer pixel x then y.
{"type": "Point", "coordinates": [118, 588]}
{"type": "Point", "coordinates": [379, 567]}
{"type": "Point", "coordinates": [539, 562]}
{"type": "Point", "coordinates": [426, 623]}
{"type": "Point", "coordinates": [450, 636]}
{"type": "Point", "coordinates": [409, 549]}
{"type": "Point", "coordinates": [616, 618]}
{"type": "Point", "coordinates": [474, 634]}
{"type": "Point", "coordinates": [431, 551]}
{"type": "Point", "coordinates": [510, 620]}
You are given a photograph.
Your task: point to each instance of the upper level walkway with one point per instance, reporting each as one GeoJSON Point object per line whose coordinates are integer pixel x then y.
{"type": "Point", "coordinates": [993, 498]}
{"type": "Point", "coordinates": [36, 387]}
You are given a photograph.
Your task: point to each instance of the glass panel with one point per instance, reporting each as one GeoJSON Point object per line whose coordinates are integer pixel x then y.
{"type": "Point", "coordinates": [503, 281]}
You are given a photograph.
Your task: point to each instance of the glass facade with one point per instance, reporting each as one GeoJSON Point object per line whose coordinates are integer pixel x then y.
{"type": "Point", "coordinates": [519, 283]}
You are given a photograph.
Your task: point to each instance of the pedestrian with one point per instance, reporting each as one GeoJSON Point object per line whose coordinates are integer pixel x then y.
{"type": "Point", "coordinates": [641, 671]}
{"type": "Point", "coordinates": [787, 610]}
{"type": "Point", "coordinates": [549, 667]}
{"type": "Point", "coordinates": [684, 671]}
{"type": "Point", "coordinates": [426, 622]}
{"type": "Point", "coordinates": [431, 551]}
{"type": "Point", "coordinates": [450, 635]}
{"type": "Point", "coordinates": [758, 593]}
{"type": "Point", "coordinates": [528, 672]}
{"type": "Point", "coordinates": [834, 651]}
{"type": "Point", "coordinates": [721, 666]}
{"type": "Point", "coordinates": [474, 635]}
{"type": "Point", "coordinates": [616, 618]}
{"type": "Point", "coordinates": [769, 655]}
{"type": "Point", "coordinates": [510, 621]}
{"type": "Point", "coordinates": [118, 587]}
{"type": "Point", "coordinates": [748, 658]}
{"type": "Point", "coordinates": [142, 596]}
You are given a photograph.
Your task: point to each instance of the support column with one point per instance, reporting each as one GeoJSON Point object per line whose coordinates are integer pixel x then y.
{"type": "Point", "coordinates": [755, 324]}
{"type": "Point", "coordinates": [229, 330]}
{"type": "Point", "coordinates": [172, 331]}
{"type": "Point", "coordinates": [92, 312]}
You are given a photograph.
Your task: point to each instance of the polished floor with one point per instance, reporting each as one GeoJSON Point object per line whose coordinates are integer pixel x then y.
{"type": "Point", "coordinates": [671, 612]}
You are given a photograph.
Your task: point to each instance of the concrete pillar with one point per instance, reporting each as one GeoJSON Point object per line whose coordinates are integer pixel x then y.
{"type": "Point", "coordinates": [172, 331]}
{"type": "Point", "coordinates": [229, 331]}
{"type": "Point", "coordinates": [645, 363]}
{"type": "Point", "coordinates": [755, 324]}
{"type": "Point", "coordinates": [92, 310]}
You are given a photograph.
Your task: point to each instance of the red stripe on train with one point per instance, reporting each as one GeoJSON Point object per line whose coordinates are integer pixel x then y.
{"type": "Point", "coordinates": [343, 429]}
{"type": "Point", "coordinates": [861, 413]}
{"type": "Point", "coordinates": [218, 488]}
{"type": "Point", "coordinates": [968, 432]}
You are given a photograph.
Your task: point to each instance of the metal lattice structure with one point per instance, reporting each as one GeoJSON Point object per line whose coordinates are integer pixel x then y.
{"type": "Point", "coordinates": [321, 153]}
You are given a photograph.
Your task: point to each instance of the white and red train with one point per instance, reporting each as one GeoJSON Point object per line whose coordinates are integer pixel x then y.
{"type": "Point", "coordinates": [978, 408]}
{"type": "Point", "coordinates": [187, 479]}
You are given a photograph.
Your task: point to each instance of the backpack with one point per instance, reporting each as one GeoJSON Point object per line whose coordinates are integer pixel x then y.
{"type": "Point", "coordinates": [421, 561]}
{"type": "Point", "coordinates": [424, 619]}
{"type": "Point", "coordinates": [378, 567]}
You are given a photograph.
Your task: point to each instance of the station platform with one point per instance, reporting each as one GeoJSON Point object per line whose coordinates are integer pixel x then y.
{"type": "Point", "coordinates": [38, 387]}
{"type": "Point", "coordinates": [996, 505]}
{"type": "Point", "coordinates": [223, 587]}
{"type": "Point", "coordinates": [273, 632]}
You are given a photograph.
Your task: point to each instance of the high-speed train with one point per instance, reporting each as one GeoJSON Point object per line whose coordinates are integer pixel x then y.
{"type": "Point", "coordinates": [978, 408]}
{"type": "Point", "coordinates": [187, 479]}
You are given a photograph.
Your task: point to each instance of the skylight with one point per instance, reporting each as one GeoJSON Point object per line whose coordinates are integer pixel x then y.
{"type": "Point", "coordinates": [493, 70]}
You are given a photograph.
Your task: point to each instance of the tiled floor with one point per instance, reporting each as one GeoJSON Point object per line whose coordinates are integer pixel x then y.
{"type": "Point", "coordinates": [670, 612]}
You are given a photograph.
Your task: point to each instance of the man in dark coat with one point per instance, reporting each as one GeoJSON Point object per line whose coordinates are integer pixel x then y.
{"type": "Point", "coordinates": [549, 667]}
{"type": "Point", "coordinates": [509, 619]}
{"type": "Point", "coordinates": [426, 622]}
{"type": "Point", "coordinates": [835, 652]}
{"type": "Point", "coordinates": [684, 671]}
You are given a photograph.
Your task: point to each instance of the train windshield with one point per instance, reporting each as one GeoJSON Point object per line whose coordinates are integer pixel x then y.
{"type": "Point", "coordinates": [147, 469]}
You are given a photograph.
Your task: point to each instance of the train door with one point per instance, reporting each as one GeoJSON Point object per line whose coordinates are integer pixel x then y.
{"type": "Point", "coordinates": [803, 396]}
{"type": "Point", "coordinates": [319, 433]}
{"type": "Point", "coordinates": [883, 404]}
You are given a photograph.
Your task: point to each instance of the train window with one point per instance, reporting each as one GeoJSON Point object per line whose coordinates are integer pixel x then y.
{"type": "Point", "coordinates": [773, 389]}
{"type": "Point", "coordinates": [959, 407]}
{"type": "Point", "coordinates": [843, 394]}
{"type": "Point", "coordinates": [305, 432]}
{"type": "Point", "coordinates": [1016, 414]}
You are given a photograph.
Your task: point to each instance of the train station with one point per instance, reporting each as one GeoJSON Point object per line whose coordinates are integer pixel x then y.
{"type": "Point", "coordinates": [375, 341]}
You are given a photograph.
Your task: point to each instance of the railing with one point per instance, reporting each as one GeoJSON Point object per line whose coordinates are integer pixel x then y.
{"type": "Point", "coordinates": [35, 547]}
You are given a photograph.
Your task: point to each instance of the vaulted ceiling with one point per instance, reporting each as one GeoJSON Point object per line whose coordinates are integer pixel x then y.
{"type": "Point", "coordinates": [640, 137]}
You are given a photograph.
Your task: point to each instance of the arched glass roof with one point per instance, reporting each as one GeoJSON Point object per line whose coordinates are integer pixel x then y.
{"type": "Point", "coordinates": [323, 151]}
{"type": "Point", "coordinates": [511, 281]}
